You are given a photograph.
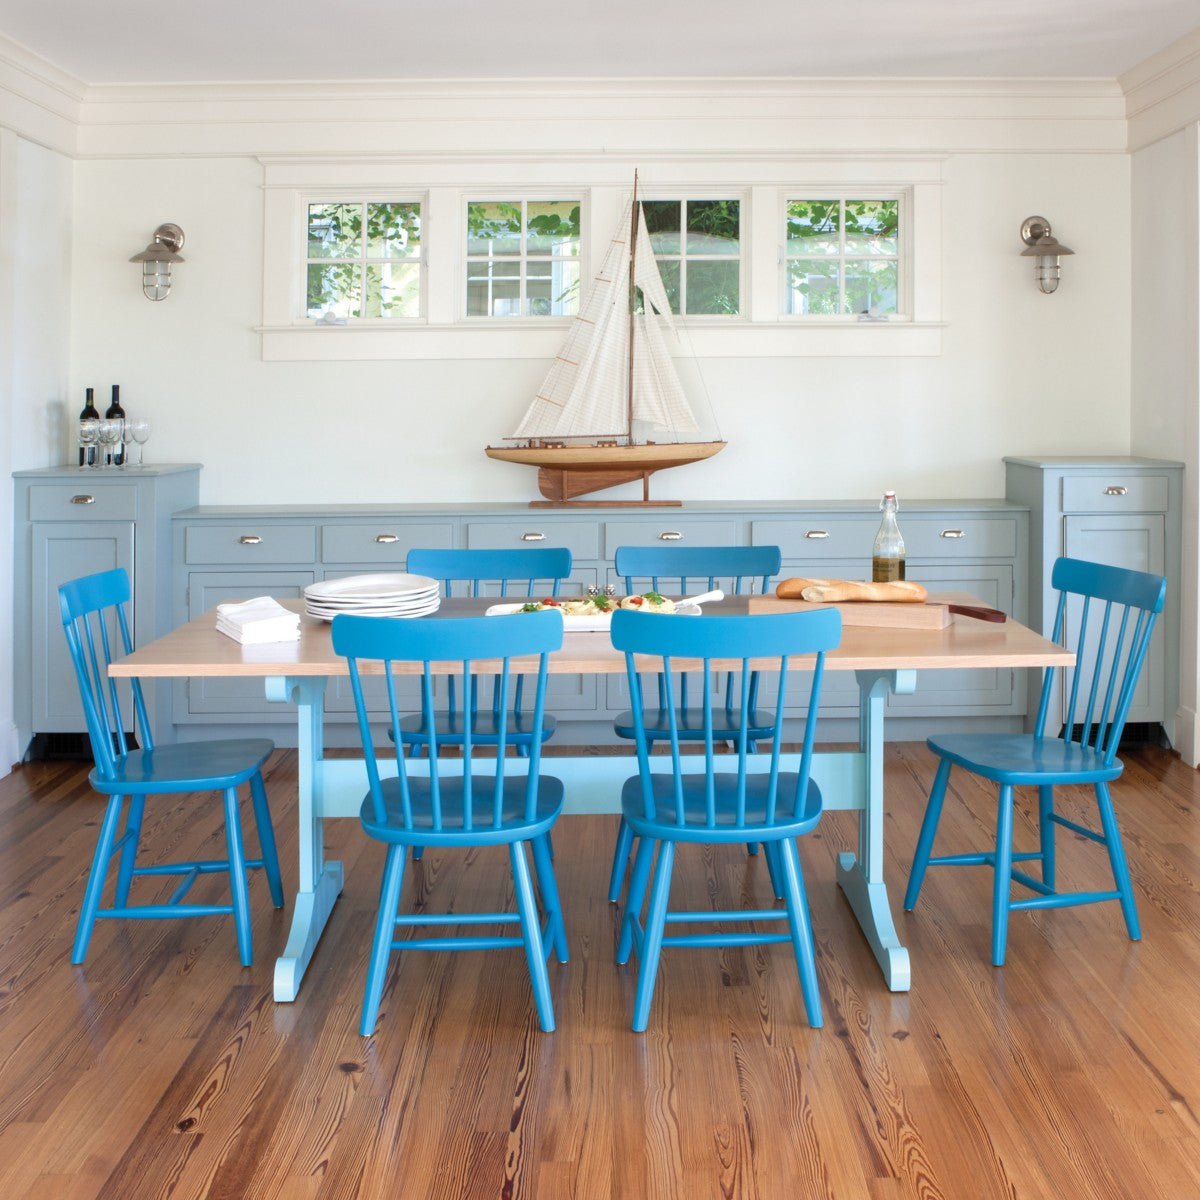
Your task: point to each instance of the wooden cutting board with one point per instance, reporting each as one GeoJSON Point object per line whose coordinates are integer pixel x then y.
{"type": "Point", "coordinates": [933, 614]}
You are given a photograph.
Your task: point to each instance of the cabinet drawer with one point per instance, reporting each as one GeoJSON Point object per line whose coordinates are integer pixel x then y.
{"type": "Point", "coordinates": [958, 538]}
{"type": "Point", "coordinates": [580, 537]}
{"type": "Point", "coordinates": [249, 542]}
{"type": "Point", "coordinates": [1115, 493]}
{"type": "Point", "coordinates": [669, 531]}
{"type": "Point", "coordinates": [83, 501]}
{"type": "Point", "coordinates": [817, 536]}
{"type": "Point", "coordinates": [382, 542]}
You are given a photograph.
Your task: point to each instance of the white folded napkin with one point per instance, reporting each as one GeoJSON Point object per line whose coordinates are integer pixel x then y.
{"type": "Point", "coordinates": [254, 622]}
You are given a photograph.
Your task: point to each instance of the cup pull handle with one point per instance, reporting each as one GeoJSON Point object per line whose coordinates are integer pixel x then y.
{"type": "Point", "coordinates": [816, 534]}
{"type": "Point", "coordinates": [1116, 491]}
{"type": "Point", "coordinates": [250, 539]}
{"type": "Point", "coordinates": [670, 535]}
{"type": "Point", "coordinates": [533, 537]}
{"type": "Point", "coordinates": [386, 539]}
{"type": "Point", "coordinates": [952, 534]}
{"type": "Point", "coordinates": [83, 499]}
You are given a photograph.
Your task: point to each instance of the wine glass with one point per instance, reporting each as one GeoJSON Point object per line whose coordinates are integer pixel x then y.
{"type": "Point", "coordinates": [139, 430]}
{"type": "Point", "coordinates": [109, 435]}
{"type": "Point", "coordinates": [89, 436]}
{"type": "Point", "coordinates": [126, 441]}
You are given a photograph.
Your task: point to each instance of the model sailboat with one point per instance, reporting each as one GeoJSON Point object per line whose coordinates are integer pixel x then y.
{"type": "Point", "coordinates": [613, 371]}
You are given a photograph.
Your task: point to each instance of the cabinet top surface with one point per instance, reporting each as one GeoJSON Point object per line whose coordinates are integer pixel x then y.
{"type": "Point", "coordinates": [1099, 461]}
{"type": "Point", "coordinates": [107, 474]}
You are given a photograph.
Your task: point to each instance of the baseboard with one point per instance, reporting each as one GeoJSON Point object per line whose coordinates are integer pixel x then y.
{"type": "Point", "coordinates": [1187, 735]}
{"type": "Point", "coordinates": [10, 749]}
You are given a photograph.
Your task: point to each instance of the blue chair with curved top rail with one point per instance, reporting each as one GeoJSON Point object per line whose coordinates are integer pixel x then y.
{"type": "Point", "coordinates": [1106, 615]}
{"type": "Point", "coordinates": [97, 629]}
{"type": "Point", "coordinates": [520, 573]}
{"type": "Point", "coordinates": [469, 800]}
{"type": "Point", "coordinates": [680, 570]}
{"type": "Point", "coordinates": [712, 798]}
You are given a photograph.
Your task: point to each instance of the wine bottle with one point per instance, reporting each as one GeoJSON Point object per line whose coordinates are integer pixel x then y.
{"type": "Point", "coordinates": [114, 412]}
{"type": "Point", "coordinates": [887, 556]}
{"type": "Point", "coordinates": [89, 447]}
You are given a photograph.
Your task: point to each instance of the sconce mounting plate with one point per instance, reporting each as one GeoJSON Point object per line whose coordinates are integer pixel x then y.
{"type": "Point", "coordinates": [171, 236]}
{"type": "Point", "coordinates": [1033, 228]}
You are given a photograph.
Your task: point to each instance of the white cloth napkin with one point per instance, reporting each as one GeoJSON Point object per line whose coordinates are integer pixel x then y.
{"type": "Point", "coordinates": [254, 622]}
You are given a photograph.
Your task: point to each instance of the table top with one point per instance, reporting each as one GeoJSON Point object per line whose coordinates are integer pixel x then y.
{"type": "Point", "coordinates": [197, 649]}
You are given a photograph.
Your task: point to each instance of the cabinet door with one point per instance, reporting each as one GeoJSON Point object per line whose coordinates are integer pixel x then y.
{"type": "Point", "coordinates": [63, 551]}
{"type": "Point", "coordinates": [1137, 542]}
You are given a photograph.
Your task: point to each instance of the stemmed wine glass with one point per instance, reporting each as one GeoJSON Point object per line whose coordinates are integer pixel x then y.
{"type": "Point", "coordinates": [109, 436]}
{"type": "Point", "coordinates": [139, 430]}
{"type": "Point", "coordinates": [89, 436]}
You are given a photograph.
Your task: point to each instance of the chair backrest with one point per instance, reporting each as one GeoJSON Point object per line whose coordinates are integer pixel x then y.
{"type": "Point", "coordinates": [474, 572]}
{"type": "Point", "coordinates": [1106, 615]}
{"type": "Point", "coordinates": [682, 569]}
{"type": "Point", "coordinates": [767, 641]}
{"type": "Point", "coordinates": [97, 628]}
{"type": "Point", "coordinates": [434, 646]}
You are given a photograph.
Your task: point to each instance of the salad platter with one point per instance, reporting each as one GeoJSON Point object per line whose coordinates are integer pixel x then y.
{"type": "Point", "coordinates": [593, 614]}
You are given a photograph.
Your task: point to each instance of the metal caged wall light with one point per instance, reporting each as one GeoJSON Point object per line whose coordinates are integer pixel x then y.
{"type": "Point", "coordinates": [156, 261]}
{"type": "Point", "coordinates": [1043, 246]}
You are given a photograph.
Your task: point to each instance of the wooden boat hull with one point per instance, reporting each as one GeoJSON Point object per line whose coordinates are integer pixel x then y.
{"type": "Point", "coordinates": [567, 471]}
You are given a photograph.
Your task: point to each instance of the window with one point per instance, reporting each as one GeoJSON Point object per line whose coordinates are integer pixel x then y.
{"type": "Point", "coordinates": [364, 260]}
{"type": "Point", "coordinates": [522, 258]}
{"type": "Point", "coordinates": [698, 247]}
{"type": "Point", "coordinates": [843, 257]}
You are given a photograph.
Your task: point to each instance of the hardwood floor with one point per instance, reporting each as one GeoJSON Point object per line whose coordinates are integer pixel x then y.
{"type": "Point", "coordinates": [161, 1068]}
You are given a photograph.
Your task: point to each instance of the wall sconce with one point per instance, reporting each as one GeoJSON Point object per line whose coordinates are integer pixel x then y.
{"type": "Point", "coordinates": [156, 261]}
{"type": "Point", "coordinates": [1042, 245]}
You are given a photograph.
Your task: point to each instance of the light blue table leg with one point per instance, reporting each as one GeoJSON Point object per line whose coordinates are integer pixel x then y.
{"type": "Point", "coordinates": [861, 876]}
{"type": "Point", "coordinates": [320, 882]}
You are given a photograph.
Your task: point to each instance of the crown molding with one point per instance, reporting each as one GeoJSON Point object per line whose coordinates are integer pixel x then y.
{"type": "Point", "coordinates": [38, 100]}
{"type": "Point", "coordinates": [1162, 94]}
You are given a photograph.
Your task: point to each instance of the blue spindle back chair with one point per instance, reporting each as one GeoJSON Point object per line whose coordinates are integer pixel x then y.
{"type": "Point", "coordinates": [1106, 615]}
{"type": "Point", "coordinates": [710, 798]}
{"type": "Point", "coordinates": [97, 630]}
{"type": "Point", "coordinates": [680, 570]}
{"type": "Point", "coordinates": [471, 799]}
{"type": "Point", "coordinates": [520, 573]}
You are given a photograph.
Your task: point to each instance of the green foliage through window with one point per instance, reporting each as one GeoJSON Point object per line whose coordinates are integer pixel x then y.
{"type": "Point", "coordinates": [697, 245]}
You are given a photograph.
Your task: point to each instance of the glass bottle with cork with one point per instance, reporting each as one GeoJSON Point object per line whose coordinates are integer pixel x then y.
{"type": "Point", "coordinates": [887, 555]}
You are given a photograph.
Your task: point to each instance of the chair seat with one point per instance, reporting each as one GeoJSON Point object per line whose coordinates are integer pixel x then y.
{"type": "Point", "coordinates": [450, 727]}
{"type": "Point", "coordinates": [761, 724]}
{"type": "Point", "coordinates": [755, 829]}
{"type": "Point", "coordinates": [1020, 758]}
{"type": "Point", "coordinates": [186, 767]}
{"type": "Point", "coordinates": [513, 826]}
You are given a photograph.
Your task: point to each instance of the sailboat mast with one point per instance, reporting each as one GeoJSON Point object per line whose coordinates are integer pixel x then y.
{"type": "Point", "coordinates": [633, 231]}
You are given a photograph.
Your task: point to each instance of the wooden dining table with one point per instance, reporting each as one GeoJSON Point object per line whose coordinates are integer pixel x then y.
{"type": "Point", "coordinates": [884, 661]}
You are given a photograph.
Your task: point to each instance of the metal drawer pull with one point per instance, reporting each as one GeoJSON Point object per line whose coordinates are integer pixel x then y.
{"type": "Point", "coordinates": [249, 539]}
{"type": "Point", "coordinates": [670, 535]}
{"type": "Point", "coordinates": [386, 539]}
{"type": "Point", "coordinates": [816, 533]}
{"type": "Point", "coordinates": [1116, 491]}
{"type": "Point", "coordinates": [533, 537]}
{"type": "Point", "coordinates": [83, 499]}
{"type": "Point", "coordinates": [952, 533]}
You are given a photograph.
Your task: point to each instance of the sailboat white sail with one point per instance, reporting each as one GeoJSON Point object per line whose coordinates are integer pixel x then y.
{"type": "Point", "coordinates": [603, 388]}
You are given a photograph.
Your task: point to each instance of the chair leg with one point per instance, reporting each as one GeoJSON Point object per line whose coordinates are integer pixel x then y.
{"type": "Point", "coordinates": [548, 887]}
{"type": "Point", "coordinates": [1116, 858]}
{"type": "Point", "coordinates": [801, 927]}
{"type": "Point", "coordinates": [1002, 880]}
{"type": "Point", "coordinates": [381, 945]}
{"type": "Point", "coordinates": [633, 898]}
{"type": "Point", "coordinates": [771, 853]}
{"type": "Point", "coordinates": [237, 876]}
{"type": "Point", "coordinates": [266, 838]}
{"type": "Point", "coordinates": [535, 954]}
{"type": "Point", "coordinates": [933, 814]}
{"type": "Point", "coordinates": [94, 890]}
{"type": "Point", "coordinates": [656, 918]}
{"type": "Point", "coordinates": [133, 835]}
{"type": "Point", "coordinates": [1046, 834]}
{"type": "Point", "coordinates": [620, 861]}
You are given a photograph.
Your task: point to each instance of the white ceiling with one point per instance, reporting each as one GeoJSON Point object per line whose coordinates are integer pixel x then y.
{"type": "Point", "coordinates": [146, 41]}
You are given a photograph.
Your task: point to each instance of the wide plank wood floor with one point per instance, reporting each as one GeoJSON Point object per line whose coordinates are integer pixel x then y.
{"type": "Point", "coordinates": [162, 1069]}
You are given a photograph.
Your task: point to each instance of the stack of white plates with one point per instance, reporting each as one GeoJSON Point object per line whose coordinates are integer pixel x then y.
{"type": "Point", "coordinates": [372, 596]}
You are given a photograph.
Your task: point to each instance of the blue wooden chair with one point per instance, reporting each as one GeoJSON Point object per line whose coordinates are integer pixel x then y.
{"type": "Point", "coordinates": [710, 798]}
{"type": "Point", "coordinates": [684, 570]}
{"type": "Point", "coordinates": [521, 573]}
{"type": "Point", "coordinates": [1106, 614]}
{"type": "Point", "coordinates": [97, 629]}
{"type": "Point", "coordinates": [467, 800]}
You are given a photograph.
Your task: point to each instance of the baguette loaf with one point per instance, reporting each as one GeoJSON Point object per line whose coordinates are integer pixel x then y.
{"type": "Point", "coordinates": [828, 591]}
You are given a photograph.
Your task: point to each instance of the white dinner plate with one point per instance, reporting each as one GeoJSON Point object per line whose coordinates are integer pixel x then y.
{"type": "Point", "coordinates": [366, 587]}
